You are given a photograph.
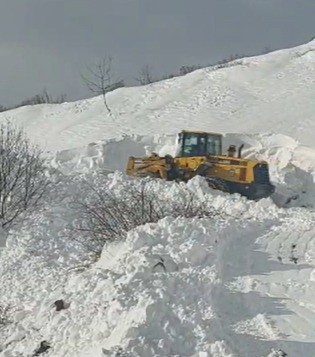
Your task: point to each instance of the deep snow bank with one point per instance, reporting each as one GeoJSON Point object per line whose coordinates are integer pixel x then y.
{"type": "Point", "coordinates": [292, 166]}
{"type": "Point", "coordinates": [180, 287]}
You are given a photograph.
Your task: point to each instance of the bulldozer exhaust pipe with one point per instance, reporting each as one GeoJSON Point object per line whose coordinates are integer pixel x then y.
{"type": "Point", "coordinates": [240, 151]}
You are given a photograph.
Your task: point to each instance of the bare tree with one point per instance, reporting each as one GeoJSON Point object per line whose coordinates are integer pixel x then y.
{"type": "Point", "coordinates": [23, 179]}
{"type": "Point", "coordinates": [145, 75]}
{"type": "Point", "coordinates": [99, 81]}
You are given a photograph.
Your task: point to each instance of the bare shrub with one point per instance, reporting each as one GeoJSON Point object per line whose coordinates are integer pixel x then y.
{"type": "Point", "coordinates": [108, 216]}
{"type": "Point", "coordinates": [23, 179]}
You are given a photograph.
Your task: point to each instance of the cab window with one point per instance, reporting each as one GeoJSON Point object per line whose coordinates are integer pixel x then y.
{"type": "Point", "coordinates": [192, 144]}
{"type": "Point", "coordinates": [214, 144]}
{"type": "Point", "coordinates": [190, 147]}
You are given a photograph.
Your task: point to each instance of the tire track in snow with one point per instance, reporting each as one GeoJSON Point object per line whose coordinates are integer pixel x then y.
{"type": "Point", "coordinates": [249, 311]}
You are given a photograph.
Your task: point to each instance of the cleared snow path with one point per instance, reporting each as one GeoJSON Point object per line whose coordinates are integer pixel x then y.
{"type": "Point", "coordinates": [254, 316]}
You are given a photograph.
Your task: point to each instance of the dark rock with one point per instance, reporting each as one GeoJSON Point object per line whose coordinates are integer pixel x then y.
{"type": "Point", "coordinates": [60, 305]}
{"type": "Point", "coordinates": [44, 346]}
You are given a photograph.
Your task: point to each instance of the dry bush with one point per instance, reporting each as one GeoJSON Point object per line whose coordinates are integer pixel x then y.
{"type": "Point", "coordinates": [23, 179]}
{"type": "Point", "coordinates": [108, 216]}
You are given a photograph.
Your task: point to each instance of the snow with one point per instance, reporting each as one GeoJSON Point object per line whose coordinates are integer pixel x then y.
{"type": "Point", "coordinates": [241, 285]}
{"type": "Point", "coordinates": [271, 93]}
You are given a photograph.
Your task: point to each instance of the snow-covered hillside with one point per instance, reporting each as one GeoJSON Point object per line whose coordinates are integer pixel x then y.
{"type": "Point", "coordinates": [241, 285]}
{"type": "Point", "coordinates": [270, 93]}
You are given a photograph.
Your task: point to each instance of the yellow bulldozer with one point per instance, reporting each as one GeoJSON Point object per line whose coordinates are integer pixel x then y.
{"type": "Point", "coordinates": [200, 153]}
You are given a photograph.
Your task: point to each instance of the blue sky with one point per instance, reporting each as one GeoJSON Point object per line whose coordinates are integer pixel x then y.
{"type": "Point", "coordinates": [48, 43]}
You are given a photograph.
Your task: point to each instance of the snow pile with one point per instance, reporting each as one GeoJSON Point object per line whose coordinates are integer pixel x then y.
{"type": "Point", "coordinates": [258, 326]}
{"type": "Point", "coordinates": [241, 284]}
{"type": "Point", "coordinates": [165, 290]}
{"type": "Point", "coordinates": [292, 166]}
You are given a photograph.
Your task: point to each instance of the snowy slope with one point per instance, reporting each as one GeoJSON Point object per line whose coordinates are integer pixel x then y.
{"type": "Point", "coordinates": [239, 286]}
{"type": "Point", "coordinates": [270, 93]}
{"type": "Point", "coordinates": [270, 96]}
{"type": "Point", "coordinates": [229, 287]}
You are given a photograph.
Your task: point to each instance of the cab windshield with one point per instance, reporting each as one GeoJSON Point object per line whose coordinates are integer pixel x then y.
{"type": "Point", "coordinates": [199, 144]}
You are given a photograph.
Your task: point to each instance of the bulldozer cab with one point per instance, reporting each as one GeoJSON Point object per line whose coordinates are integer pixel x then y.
{"type": "Point", "coordinates": [192, 144]}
